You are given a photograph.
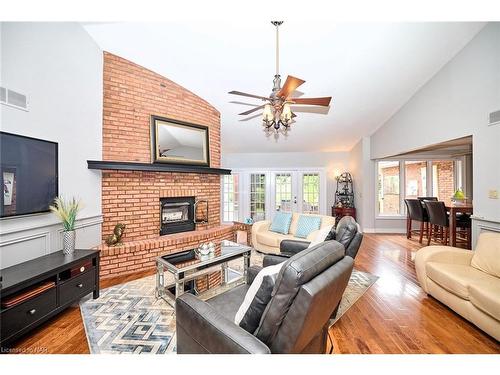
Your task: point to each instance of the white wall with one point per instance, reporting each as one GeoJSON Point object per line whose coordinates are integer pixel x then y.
{"type": "Point", "coordinates": [453, 104]}
{"type": "Point", "coordinates": [362, 170]}
{"type": "Point", "coordinates": [334, 163]}
{"type": "Point", "coordinates": [59, 67]}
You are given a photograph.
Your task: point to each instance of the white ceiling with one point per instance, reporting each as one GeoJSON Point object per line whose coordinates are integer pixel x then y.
{"type": "Point", "coordinates": [370, 69]}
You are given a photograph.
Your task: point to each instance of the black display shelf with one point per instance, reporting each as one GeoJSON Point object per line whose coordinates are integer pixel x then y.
{"type": "Point", "coordinates": [153, 167]}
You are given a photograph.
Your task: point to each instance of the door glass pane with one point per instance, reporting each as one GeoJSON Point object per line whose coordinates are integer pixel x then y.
{"type": "Point", "coordinates": [443, 185]}
{"type": "Point", "coordinates": [283, 196]}
{"type": "Point", "coordinates": [415, 179]}
{"type": "Point", "coordinates": [310, 193]}
{"type": "Point", "coordinates": [230, 198]}
{"type": "Point", "coordinates": [258, 196]}
{"type": "Point", "coordinates": [388, 188]}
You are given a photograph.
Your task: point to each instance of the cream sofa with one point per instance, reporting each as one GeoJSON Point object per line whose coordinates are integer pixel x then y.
{"type": "Point", "coordinates": [269, 242]}
{"type": "Point", "coordinates": [466, 281]}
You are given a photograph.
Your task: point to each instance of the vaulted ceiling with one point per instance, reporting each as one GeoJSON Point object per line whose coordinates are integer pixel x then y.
{"type": "Point", "coordinates": [370, 69]}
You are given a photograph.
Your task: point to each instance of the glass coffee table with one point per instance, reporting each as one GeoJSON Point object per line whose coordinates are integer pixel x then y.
{"type": "Point", "coordinates": [187, 266]}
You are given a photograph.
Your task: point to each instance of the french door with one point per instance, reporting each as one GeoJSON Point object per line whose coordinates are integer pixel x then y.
{"type": "Point", "coordinates": [302, 191]}
{"type": "Point", "coordinates": [296, 191]}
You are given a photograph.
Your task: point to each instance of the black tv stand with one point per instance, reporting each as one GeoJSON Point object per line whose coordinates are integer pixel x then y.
{"type": "Point", "coordinates": [34, 291]}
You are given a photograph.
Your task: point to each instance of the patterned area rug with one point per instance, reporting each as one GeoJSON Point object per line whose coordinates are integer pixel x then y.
{"type": "Point", "coordinates": [127, 318]}
{"type": "Point", "coordinates": [358, 285]}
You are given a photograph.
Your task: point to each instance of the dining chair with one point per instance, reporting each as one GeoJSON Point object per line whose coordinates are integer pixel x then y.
{"type": "Point", "coordinates": [415, 212]}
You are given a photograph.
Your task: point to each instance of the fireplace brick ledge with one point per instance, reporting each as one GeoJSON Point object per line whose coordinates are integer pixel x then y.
{"type": "Point", "coordinates": [166, 240]}
{"type": "Point", "coordinates": [140, 255]}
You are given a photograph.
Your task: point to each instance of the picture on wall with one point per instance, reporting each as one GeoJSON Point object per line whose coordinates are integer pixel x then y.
{"type": "Point", "coordinates": [8, 188]}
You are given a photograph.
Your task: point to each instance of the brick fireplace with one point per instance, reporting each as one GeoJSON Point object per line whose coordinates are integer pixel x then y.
{"type": "Point", "coordinates": [132, 94]}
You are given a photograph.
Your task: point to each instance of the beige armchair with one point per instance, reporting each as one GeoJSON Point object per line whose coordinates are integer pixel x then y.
{"type": "Point", "coordinates": [466, 281]}
{"type": "Point", "coordinates": [269, 242]}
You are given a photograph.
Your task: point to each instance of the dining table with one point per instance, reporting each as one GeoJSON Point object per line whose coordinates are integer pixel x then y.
{"type": "Point", "coordinates": [454, 207]}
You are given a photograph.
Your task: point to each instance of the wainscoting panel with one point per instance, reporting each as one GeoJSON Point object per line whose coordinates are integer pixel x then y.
{"type": "Point", "coordinates": [26, 238]}
{"type": "Point", "coordinates": [480, 224]}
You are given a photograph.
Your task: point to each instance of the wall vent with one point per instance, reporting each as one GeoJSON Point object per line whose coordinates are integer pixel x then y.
{"type": "Point", "coordinates": [494, 118]}
{"type": "Point", "coordinates": [13, 99]}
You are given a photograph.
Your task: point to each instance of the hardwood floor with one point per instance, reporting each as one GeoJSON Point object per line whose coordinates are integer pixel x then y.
{"type": "Point", "coordinates": [394, 316]}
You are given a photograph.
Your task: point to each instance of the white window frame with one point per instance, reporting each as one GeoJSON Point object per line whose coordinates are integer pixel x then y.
{"type": "Point", "coordinates": [222, 201]}
{"type": "Point", "coordinates": [402, 185]}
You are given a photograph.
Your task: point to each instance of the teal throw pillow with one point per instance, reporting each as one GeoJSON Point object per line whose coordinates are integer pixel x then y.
{"type": "Point", "coordinates": [281, 222]}
{"type": "Point", "coordinates": [306, 225]}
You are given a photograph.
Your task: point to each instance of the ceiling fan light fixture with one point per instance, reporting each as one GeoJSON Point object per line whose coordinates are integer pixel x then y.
{"type": "Point", "coordinates": [267, 114]}
{"type": "Point", "coordinates": [286, 113]}
{"type": "Point", "coordinates": [277, 116]}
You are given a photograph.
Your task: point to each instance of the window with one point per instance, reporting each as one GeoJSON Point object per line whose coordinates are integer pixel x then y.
{"type": "Point", "coordinates": [422, 178]}
{"type": "Point", "coordinates": [310, 193]}
{"type": "Point", "coordinates": [443, 179]}
{"type": "Point", "coordinates": [230, 188]}
{"type": "Point", "coordinates": [257, 196]}
{"type": "Point", "coordinates": [283, 187]}
{"type": "Point", "coordinates": [415, 179]}
{"type": "Point", "coordinates": [388, 188]}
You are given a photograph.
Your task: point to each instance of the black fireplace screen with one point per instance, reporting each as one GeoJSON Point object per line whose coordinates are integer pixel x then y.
{"type": "Point", "coordinates": [177, 215]}
{"type": "Point", "coordinates": [181, 214]}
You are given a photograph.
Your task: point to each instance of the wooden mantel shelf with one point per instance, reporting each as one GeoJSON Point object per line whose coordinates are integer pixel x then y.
{"type": "Point", "coordinates": [153, 167]}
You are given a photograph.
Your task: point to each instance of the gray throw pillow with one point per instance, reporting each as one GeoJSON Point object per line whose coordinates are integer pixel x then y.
{"type": "Point", "coordinates": [331, 235]}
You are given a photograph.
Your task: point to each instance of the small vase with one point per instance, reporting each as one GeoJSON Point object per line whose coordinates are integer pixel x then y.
{"type": "Point", "coordinates": [69, 242]}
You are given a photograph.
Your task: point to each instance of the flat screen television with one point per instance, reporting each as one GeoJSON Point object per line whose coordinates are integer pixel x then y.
{"type": "Point", "coordinates": [28, 173]}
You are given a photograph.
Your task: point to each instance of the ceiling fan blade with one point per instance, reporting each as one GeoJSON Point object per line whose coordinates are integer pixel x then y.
{"type": "Point", "coordinates": [251, 110]}
{"type": "Point", "coordinates": [325, 102]}
{"type": "Point", "coordinates": [249, 95]}
{"type": "Point", "coordinates": [290, 85]}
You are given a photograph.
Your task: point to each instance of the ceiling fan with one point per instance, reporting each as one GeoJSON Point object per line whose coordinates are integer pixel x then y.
{"type": "Point", "coordinates": [277, 112]}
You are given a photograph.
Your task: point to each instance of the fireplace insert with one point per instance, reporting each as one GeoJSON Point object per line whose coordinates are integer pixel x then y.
{"type": "Point", "coordinates": [177, 215]}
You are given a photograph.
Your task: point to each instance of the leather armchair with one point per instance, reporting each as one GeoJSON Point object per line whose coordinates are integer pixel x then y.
{"type": "Point", "coordinates": [308, 289]}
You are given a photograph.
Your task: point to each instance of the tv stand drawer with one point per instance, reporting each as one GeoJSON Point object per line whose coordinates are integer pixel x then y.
{"type": "Point", "coordinates": [77, 287]}
{"type": "Point", "coordinates": [23, 315]}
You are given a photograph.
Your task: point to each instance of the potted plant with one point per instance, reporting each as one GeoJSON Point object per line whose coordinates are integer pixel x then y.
{"type": "Point", "coordinates": [67, 211]}
{"type": "Point", "coordinates": [459, 196]}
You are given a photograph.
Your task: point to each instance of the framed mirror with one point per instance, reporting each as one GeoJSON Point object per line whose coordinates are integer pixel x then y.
{"type": "Point", "coordinates": [179, 142]}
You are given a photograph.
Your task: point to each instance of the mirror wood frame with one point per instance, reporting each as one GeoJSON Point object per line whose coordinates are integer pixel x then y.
{"type": "Point", "coordinates": [156, 121]}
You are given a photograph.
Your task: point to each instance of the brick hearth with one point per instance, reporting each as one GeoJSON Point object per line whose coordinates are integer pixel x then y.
{"type": "Point", "coordinates": [138, 255]}
{"type": "Point", "coordinates": [132, 94]}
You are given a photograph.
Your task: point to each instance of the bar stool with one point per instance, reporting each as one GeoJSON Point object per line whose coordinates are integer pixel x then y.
{"type": "Point", "coordinates": [439, 218]}
{"type": "Point", "coordinates": [422, 199]}
{"type": "Point", "coordinates": [415, 211]}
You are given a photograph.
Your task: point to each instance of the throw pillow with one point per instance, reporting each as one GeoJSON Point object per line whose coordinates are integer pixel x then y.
{"type": "Point", "coordinates": [321, 236]}
{"type": "Point", "coordinates": [257, 297]}
{"type": "Point", "coordinates": [332, 234]}
{"type": "Point", "coordinates": [307, 224]}
{"type": "Point", "coordinates": [281, 222]}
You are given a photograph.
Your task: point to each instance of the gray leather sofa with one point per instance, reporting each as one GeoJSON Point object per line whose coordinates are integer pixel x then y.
{"type": "Point", "coordinates": [308, 289]}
